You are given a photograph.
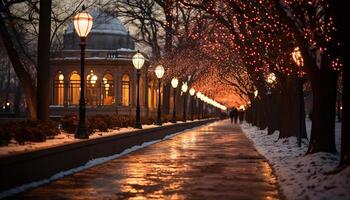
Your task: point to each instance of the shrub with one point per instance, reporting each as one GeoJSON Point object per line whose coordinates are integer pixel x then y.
{"type": "Point", "coordinates": [50, 128]}
{"type": "Point", "coordinates": [149, 120]}
{"type": "Point", "coordinates": [122, 121]}
{"type": "Point", "coordinates": [30, 131]}
{"type": "Point", "coordinates": [33, 131]}
{"type": "Point", "coordinates": [70, 123]}
{"type": "Point", "coordinates": [167, 118]}
{"type": "Point", "coordinates": [100, 122]}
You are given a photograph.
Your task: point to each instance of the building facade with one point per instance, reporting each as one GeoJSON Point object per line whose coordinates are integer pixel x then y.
{"type": "Point", "coordinates": [111, 81]}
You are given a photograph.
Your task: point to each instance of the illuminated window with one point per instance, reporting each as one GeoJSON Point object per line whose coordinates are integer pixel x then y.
{"type": "Point", "coordinates": [58, 98]}
{"type": "Point", "coordinates": [107, 89]}
{"type": "Point", "coordinates": [92, 89]}
{"type": "Point", "coordinates": [125, 90]}
{"type": "Point", "coordinates": [74, 88]}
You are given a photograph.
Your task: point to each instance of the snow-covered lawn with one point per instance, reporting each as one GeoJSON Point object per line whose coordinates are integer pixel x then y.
{"type": "Point", "coordinates": [64, 138]}
{"type": "Point", "coordinates": [301, 176]}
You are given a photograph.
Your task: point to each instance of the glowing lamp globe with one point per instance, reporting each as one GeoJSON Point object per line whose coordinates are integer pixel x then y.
{"type": "Point", "coordinates": [241, 107]}
{"type": "Point", "coordinates": [159, 71]}
{"type": "Point", "coordinates": [138, 60]}
{"type": "Point", "coordinates": [192, 91]}
{"type": "Point", "coordinates": [93, 79]}
{"type": "Point", "coordinates": [83, 24]}
{"type": "Point", "coordinates": [271, 78]}
{"type": "Point", "coordinates": [174, 82]}
{"type": "Point", "coordinates": [199, 95]}
{"type": "Point", "coordinates": [255, 93]}
{"type": "Point", "coordinates": [107, 86]}
{"type": "Point", "coordinates": [184, 87]}
{"type": "Point", "coordinates": [61, 78]}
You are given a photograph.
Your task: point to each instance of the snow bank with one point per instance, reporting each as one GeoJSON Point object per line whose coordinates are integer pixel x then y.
{"type": "Point", "coordinates": [301, 176]}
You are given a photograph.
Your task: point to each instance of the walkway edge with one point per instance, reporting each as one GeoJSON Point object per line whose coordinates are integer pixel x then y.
{"type": "Point", "coordinates": [29, 167]}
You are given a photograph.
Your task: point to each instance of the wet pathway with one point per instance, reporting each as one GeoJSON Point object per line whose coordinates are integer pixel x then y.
{"type": "Point", "coordinates": [215, 161]}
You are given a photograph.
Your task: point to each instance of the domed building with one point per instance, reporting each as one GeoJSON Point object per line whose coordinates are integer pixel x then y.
{"type": "Point", "coordinates": [110, 74]}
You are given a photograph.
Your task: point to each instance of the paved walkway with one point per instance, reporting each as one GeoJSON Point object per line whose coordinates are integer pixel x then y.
{"type": "Point", "coordinates": [215, 161]}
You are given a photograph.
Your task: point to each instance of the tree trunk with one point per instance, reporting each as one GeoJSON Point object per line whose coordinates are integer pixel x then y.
{"type": "Point", "coordinates": [324, 88]}
{"type": "Point", "coordinates": [43, 69]}
{"type": "Point", "coordinates": [345, 126]}
{"type": "Point", "coordinates": [26, 81]}
{"type": "Point", "coordinates": [262, 113]}
{"type": "Point", "coordinates": [293, 123]}
{"type": "Point", "coordinates": [17, 101]}
{"type": "Point", "coordinates": [342, 15]}
{"type": "Point", "coordinates": [275, 118]}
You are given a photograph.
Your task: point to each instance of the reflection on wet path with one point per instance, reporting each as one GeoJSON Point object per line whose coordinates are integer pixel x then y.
{"type": "Point", "coordinates": [212, 162]}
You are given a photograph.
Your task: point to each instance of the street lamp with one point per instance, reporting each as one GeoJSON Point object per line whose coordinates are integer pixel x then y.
{"type": "Point", "coordinates": [299, 61]}
{"type": "Point", "coordinates": [184, 88]}
{"type": "Point", "coordinates": [92, 78]}
{"type": "Point", "coordinates": [159, 73]}
{"type": "Point", "coordinates": [192, 92]}
{"type": "Point", "coordinates": [174, 83]}
{"type": "Point", "coordinates": [82, 25]}
{"type": "Point", "coordinates": [271, 78]}
{"type": "Point", "coordinates": [256, 93]}
{"type": "Point", "coordinates": [138, 60]}
{"type": "Point", "coordinates": [297, 57]}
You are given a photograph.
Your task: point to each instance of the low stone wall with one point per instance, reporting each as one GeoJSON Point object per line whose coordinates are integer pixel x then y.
{"type": "Point", "coordinates": [19, 169]}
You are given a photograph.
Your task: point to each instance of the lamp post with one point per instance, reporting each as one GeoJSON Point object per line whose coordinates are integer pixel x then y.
{"type": "Point", "coordinates": [159, 73]}
{"type": "Point", "coordinates": [192, 92]}
{"type": "Point", "coordinates": [184, 88]}
{"type": "Point", "coordinates": [138, 60]}
{"type": "Point", "coordinates": [82, 25]}
{"type": "Point", "coordinates": [299, 61]}
{"type": "Point", "coordinates": [174, 83]}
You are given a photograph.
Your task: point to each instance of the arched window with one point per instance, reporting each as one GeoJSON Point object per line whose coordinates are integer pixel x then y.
{"type": "Point", "coordinates": [92, 89]}
{"type": "Point", "coordinates": [125, 90]}
{"type": "Point", "coordinates": [58, 98]}
{"type": "Point", "coordinates": [108, 89]}
{"type": "Point", "coordinates": [74, 88]}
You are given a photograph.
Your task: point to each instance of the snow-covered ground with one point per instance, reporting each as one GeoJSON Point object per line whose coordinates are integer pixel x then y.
{"type": "Point", "coordinates": [301, 176]}
{"type": "Point", "coordinates": [64, 138]}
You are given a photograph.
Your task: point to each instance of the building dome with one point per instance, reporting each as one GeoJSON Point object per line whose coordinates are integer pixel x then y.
{"type": "Point", "coordinates": [107, 33]}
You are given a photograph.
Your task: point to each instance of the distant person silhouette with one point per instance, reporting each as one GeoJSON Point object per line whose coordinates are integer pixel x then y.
{"type": "Point", "coordinates": [241, 115]}
{"type": "Point", "coordinates": [236, 115]}
{"type": "Point", "coordinates": [231, 115]}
